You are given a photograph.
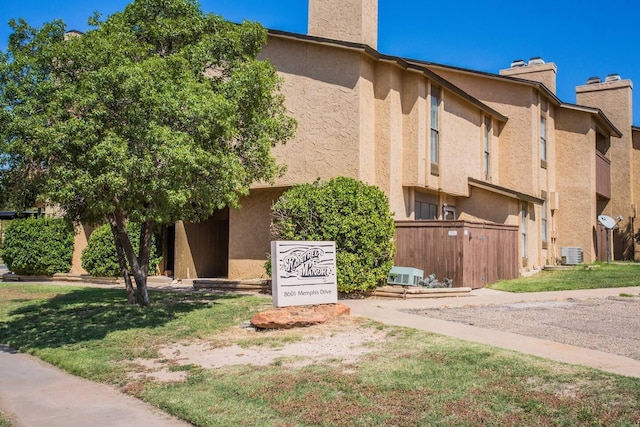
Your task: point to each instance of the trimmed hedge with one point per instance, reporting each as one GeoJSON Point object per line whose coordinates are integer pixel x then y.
{"type": "Point", "coordinates": [38, 246]}
{"type": "Point", "coordinates": [354, 215]}
{"type": "Point", "coordinates": [100, 257]}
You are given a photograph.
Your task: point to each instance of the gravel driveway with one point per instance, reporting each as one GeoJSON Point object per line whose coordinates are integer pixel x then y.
{"type": "Point", "coordinates": [608, 324]}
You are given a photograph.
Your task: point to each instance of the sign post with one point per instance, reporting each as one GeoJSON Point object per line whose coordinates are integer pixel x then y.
{"type": "Point", "coordinates": [303, 273]}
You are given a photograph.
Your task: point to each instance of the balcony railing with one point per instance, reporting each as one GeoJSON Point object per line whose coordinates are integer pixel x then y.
{"type": "Point", "coordinates": [603, 176]}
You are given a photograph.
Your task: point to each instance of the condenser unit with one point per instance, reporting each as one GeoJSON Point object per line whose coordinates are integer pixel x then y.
{"type": "Point", "coordinates": [407, 276]}
{"type": "Point", "coordinates": [571, 255]}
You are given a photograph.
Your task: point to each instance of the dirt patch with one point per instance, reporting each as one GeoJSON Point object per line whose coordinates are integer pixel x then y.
{"type": "Point", "coordinates": [343, 340]}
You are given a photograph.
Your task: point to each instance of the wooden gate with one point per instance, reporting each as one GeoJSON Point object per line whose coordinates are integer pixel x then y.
{"type": "Point", "coordinates": [472, 254]}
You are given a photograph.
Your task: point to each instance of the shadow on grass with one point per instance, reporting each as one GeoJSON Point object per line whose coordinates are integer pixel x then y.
{"type": "Point", "coordinates": [91, 313]}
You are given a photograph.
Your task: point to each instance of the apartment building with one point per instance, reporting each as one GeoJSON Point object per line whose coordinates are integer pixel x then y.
{"type": "Point", "coordinates": [443, 143]}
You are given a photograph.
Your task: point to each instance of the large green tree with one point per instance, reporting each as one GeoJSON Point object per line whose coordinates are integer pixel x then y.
{"type": "Point", "coordinates": [158, 113]}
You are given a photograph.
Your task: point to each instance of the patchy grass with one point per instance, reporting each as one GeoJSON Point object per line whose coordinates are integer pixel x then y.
{"type": "Point", "coordinates": [5, 421]}
{"type": "Point", "coordinates": [89, 331]}
{"type": "Point", "coordinates": [411, 378]}
{"type": "Point", "coordinates": [602, 276]}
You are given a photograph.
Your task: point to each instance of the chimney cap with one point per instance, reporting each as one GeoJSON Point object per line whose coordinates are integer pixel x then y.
{"type": "Point", "coordinates": [593, 80]}
{"type": "Point", "coordinates": [613, 78]}
{"type": "Point", "coordinates": [536, 60]}
{"type": "Point", "coordinates": [518, 63]}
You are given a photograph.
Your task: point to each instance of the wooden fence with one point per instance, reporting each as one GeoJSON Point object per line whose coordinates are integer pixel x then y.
{"type": "Point", "coordinates": [472, 254]}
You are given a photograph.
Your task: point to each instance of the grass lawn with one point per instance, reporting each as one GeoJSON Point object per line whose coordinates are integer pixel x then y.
{"type": "Point", "coordinates": [4, 420]}
{"type": "Point", "coordinates": [592, 277]}
{"type": "Point", "coordinates": [409, 378]}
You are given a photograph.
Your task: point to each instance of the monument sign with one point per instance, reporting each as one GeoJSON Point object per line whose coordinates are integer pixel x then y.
{"type": "Point", "coordinates": [303, 273]}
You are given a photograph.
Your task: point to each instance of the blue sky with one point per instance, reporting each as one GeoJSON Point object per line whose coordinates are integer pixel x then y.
{"type": "Point", "coordinates": [584, 39]}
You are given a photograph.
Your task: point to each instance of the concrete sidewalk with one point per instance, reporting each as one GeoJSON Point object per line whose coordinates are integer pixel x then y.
{"type": "Point", "coordinates": [388, 312]}
{"type": "Point", "coordinates": [36, 394]}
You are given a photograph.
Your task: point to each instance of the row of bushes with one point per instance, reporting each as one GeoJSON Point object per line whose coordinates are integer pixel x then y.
{"type": "Point", "coordinates": [354, 215]}
{"type": "Point", "coordinates": [44, 246]}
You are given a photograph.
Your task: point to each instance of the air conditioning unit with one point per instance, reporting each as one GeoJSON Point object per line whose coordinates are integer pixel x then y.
{"type": "Point", "coordinates": [571, 255]}
{"type": "Point", "coordinates": [406, 276]}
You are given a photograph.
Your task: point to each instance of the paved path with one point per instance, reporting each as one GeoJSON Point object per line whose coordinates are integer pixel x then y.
{"type": "Point", "coordinates": [388, 312]}
{"type": "Point", "coordinates": [37, 394]}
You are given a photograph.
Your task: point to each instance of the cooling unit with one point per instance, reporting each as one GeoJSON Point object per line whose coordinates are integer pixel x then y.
{"type": "Point", "coordinates": [571, 255]}
{"type": "Point", "coordinates": [405, 276]}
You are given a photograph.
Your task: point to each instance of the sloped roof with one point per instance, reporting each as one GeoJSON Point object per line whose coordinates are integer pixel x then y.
{"type": "Point", "coordinates": [402, 63]}
{"type": "Point", "coordinates": [599, 116]}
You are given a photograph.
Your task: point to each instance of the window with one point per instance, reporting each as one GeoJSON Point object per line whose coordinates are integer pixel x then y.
{"type": "Point", "coordinates": [543, 138]}
{"type": "Point", "coordinates": [543, 132]}
{"type": "Point", "coordinates": [435, 126]}
{"type": "Point", "coordinates": [523, 231]}
{"type": "Point", "coordinates": [425, 210]}
{"type": "Point", "coordinates": [487, 149]}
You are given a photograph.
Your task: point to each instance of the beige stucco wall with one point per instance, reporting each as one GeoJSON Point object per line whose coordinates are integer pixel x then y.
{"type": "Point", "coordinates": [415, 138]}
{"type": "Point", "coordinates": [349, 20]}
{"type": "Point", "coordinates": [461, 145]}
{"type": "Point", "coordinates": [575, 220]}
{"type": "Point", "coordinates": [369, 119]}
{"type": "Point", "coordinates": [249, 241]}
{"type": "Point", "coordinates": [614, 99]}
{"type": "Point", "coordinates": [322, 92]}
{"type": "Point", "coordinates": [80, 240]}
{"type": "Point", "coordinates": [518, 166]}
{"type": "Point", "coordinates": [484, 205]}
{"type": "Point", "coordinates": [367, 130]}
{"type": "Point", "coordinates": [388, 135]}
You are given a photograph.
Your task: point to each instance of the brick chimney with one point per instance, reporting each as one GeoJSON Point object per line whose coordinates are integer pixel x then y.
{"type": "Point", "coordinates": [349, 20]}
{"type": "Point", "coordinates": [536, 69]}
{"type": "Point", "coordinates": [614, 97]}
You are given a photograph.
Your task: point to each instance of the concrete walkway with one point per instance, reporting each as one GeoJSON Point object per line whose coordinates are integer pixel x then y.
{"type": "Point", "coordinates": [388, 312]}
{"type": "Point", "coordinates": [34, 394]}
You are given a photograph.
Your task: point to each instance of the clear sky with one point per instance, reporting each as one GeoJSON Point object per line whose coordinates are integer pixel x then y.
{"type": "Point", "coordinates": [583, 38]}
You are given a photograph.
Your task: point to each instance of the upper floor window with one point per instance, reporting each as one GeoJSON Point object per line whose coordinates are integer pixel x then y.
{"type": "Point", "coordinates": [487, 149]}
{"type": "Point", "coordinates": [435, 126]}
{"type": "Point", "coordinates": [543, 132]}
{"type": "Point", "coordinates": [543, 138]}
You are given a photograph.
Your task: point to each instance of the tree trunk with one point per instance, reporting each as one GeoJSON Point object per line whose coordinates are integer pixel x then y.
{"type": "Point", "coordinates": [143, 262]}
{"type": "Point", "coordinates": [122, 261]}
{"type": "Point", "coordinates": [139, 265]}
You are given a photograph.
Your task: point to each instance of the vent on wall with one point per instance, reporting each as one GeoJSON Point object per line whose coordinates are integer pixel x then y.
{"type": "Point", "coordinates": [571, 255]}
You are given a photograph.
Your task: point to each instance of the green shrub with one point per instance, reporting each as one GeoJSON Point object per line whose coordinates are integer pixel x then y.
{"type": "Point", "coordinates": [354, 215]}
{"type": "Point", "coordinates": [100, 257]}
{"type": "Point", "coordinates": [38, 246]}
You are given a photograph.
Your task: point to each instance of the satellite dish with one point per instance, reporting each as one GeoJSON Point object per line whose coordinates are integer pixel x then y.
{"type": "Point", "coordinates": [607, 221]}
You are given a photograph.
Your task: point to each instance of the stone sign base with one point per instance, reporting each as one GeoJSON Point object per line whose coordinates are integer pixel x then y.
{"type": "Point", "coordinates": [298, 316]}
